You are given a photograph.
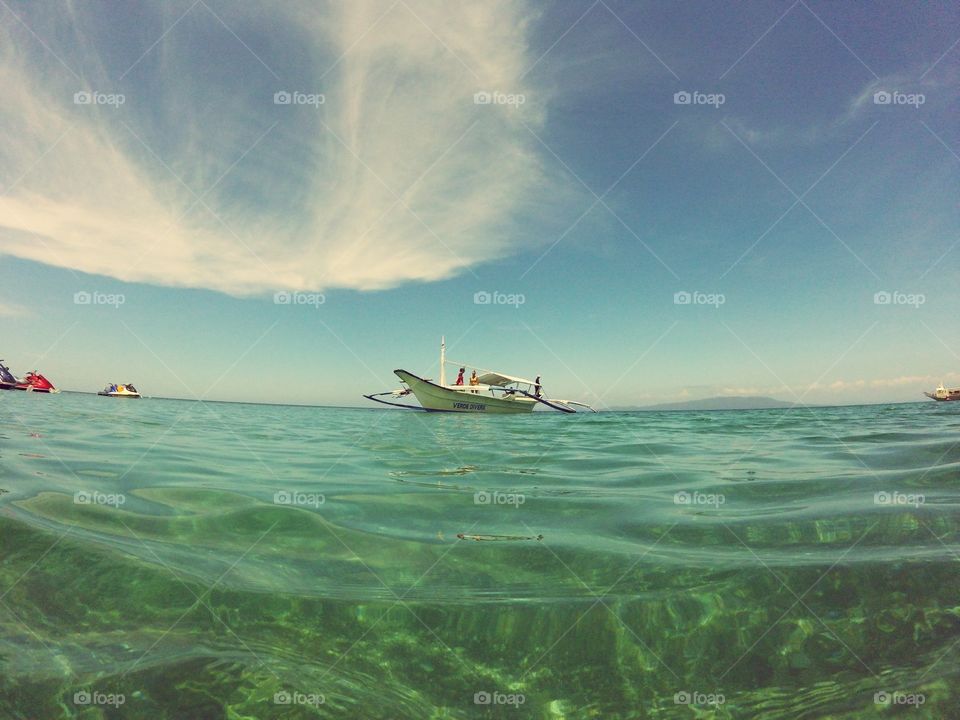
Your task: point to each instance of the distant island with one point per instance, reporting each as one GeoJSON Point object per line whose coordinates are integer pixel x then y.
{"type": "Point", "coordinates": [723, 402]}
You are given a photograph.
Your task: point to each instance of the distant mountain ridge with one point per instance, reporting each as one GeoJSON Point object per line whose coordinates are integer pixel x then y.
{"type": "Point", "coordinates": [722, 402]}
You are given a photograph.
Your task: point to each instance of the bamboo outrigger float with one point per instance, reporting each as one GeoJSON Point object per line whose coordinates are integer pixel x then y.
{"type": "Point", "coordinates": [489, 392]}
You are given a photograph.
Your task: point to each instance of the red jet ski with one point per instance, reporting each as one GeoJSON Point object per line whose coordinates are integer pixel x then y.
{"type": "Point", "coordinates": [35, 382]}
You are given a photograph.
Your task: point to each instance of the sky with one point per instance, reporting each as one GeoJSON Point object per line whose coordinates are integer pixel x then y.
{"type": "Point", "coordinates": [640, 202]}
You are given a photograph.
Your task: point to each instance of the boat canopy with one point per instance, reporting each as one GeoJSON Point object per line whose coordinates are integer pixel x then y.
{"type": "Point", "coordinates": [499, 379]}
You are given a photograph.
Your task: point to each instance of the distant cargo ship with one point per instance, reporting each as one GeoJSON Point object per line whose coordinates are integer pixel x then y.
{"type": "Point", "coordinates": [942, 394]}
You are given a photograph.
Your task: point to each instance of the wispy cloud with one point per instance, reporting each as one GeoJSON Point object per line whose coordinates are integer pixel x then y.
{"type": "Point", "coordinates": [397, 176]}
{"type": "Point", "coordinates": [822, 390]}
{"type": "Point", "coordinates": [938, 90]}
{"type": "Point", "coordinates": [9, 310]}
{"type": "Point", "coordinates": [933, 88]}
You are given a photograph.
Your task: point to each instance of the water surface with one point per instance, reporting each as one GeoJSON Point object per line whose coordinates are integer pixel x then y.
{"type": "Point", "coordinates": [209, 560]}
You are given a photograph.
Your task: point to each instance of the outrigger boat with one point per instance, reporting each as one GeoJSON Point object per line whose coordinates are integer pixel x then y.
{"type": "Point", "coordinates": [125, 391]}
{"type": "Point", "coordinates": [942, 394]}
{"type": "Point", "coordinates": [489, 392]}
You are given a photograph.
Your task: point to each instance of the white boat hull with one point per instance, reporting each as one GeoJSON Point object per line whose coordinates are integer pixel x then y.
{"type": "Point", "coordinates": [465, 398]}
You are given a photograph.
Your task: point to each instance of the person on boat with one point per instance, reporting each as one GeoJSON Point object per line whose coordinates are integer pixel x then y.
{"type": "Point", "coordinates": [474, 380]}
{"type": "Point", "coordinates": [460, 377]}
{"type": "Point", "coordinates": [536, 387]}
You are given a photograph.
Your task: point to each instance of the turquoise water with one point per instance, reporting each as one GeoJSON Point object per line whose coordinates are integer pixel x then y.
{"type": "Point", "coordinates": [168, 559]}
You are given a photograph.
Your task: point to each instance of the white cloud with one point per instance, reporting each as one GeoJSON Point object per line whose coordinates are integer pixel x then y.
{"type": "Point", "coordinates": [919, 381]}
{"type": "Point", "coordinates": [10, 310]}
{"type": "Point", "coordinates": [938, 89]}
{"type": "Point", "coordinates": [742, 391]}
{"type": "Point", "coordinates": [864, 100]}
{"type": "Point", "coordinates": [922, 381]}
{"type": "Point", "coordinates": [88, 195]}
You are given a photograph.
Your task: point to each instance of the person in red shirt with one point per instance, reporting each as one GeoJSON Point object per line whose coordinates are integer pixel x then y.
{"type": "Point", "coordinates": [460, 377]}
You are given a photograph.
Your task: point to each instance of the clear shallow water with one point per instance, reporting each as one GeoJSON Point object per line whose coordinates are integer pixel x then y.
{"type": "Point", "coordinates": [202, 560]}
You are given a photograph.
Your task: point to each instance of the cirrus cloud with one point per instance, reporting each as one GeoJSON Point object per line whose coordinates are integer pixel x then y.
{"type": "Point", "coordinates": [198, 182]}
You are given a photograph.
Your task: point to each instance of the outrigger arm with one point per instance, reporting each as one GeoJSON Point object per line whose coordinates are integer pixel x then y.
{"type": "Point", "coordinates": [396, 393]}
{"type": "Point", "coordinates": [561, 405]}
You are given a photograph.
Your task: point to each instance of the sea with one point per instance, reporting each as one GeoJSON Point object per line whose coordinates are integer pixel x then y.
{"type": "Point", "coordinates": [186, 559]}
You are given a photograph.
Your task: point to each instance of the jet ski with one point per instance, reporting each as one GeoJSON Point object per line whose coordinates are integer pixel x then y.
{"type": "Point", "coordinates": [35, 382]}
{"type": "Point", "coordinates": [7, 380]}
{"type": "Point", "coordinates": [114, 390]}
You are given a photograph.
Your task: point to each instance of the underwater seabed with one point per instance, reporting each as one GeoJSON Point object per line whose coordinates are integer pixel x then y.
{"type": "Point", "coordinates": [176, 611]}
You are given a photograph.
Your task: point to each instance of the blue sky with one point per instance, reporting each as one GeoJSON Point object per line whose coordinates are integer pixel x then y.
{"type": "Point", "coordinates": [815, 165]}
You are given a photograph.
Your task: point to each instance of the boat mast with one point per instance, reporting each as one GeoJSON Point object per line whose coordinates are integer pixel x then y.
{"type": "Point", "coordinates": [443, 361]}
